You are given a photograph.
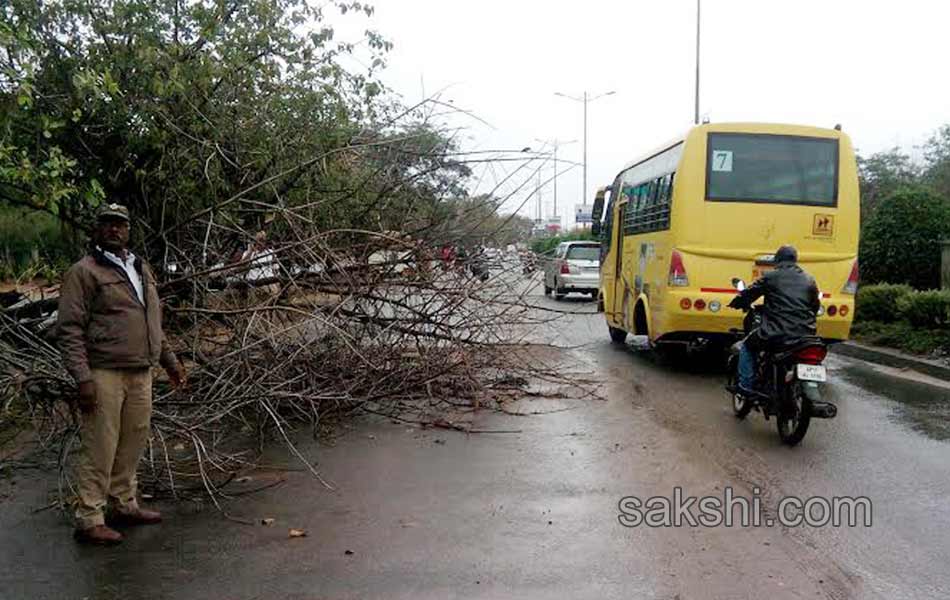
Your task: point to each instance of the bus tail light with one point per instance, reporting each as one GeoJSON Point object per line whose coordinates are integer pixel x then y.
{"type": "Point", "coordinates": [832, 310]}
{"type": "Point", "coordinates": [843, 311]}
{"type": "Point", "coordinates": [700, 304]}
{"type": "Point", "coordinates": [686, 304]}
{"type": "Point", "coordinates": [852, 286]}
{"type": "Point", "coordinates": [678, 276]}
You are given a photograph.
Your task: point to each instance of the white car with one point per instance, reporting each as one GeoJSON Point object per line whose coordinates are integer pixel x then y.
{"type": "Point", "coordinates": [575, 267]}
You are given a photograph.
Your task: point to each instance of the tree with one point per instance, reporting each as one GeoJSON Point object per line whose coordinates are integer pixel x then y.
{"type": "Point", "coordinates": [882, 174]}
{"type": "Point", "coordinates": [900, 243]}
{"type": "Point", "coordinates": [203, 116]}
{"type": "Point", "coordinates": [937, 157]}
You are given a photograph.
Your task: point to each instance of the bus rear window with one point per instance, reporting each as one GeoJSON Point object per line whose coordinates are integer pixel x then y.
{"type": "Point", "coordinates": [583, 252]}
{"type": "Point", "coordinates": [778, 169]}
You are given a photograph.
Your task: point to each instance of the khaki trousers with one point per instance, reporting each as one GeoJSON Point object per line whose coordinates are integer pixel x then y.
{"type": "Point", "coordinates": [114, 437]}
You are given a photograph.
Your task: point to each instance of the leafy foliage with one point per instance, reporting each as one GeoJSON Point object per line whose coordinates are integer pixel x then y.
{"type": "Point", "coordinates": [901, 241]}
{"type": "Point", "coordinates": [880, 302]}
{"type": "Point", "coordinates": [937, 156]}
{"type": "Point", "coordinates": [882, 174]}
{"type": "Point", "coordinates": [927, 310]}
{"type": "Point", "coordinates": [546, 245]}
{"type": "Point", "coordinates": [903, 336]}
{"type": "Point", "coordinates": [205, 117]}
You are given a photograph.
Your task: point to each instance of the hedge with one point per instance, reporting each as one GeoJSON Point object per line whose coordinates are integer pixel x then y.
{"type": "Point", "coordinates": [926, 310]}
{"type": "Point", "coordinates": [879, 302]}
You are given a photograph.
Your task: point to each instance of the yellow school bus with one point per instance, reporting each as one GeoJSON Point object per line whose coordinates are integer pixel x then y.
{"type": "Point", "coordinates": [681, 222]}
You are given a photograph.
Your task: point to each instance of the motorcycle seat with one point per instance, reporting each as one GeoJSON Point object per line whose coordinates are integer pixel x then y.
{"type": "Point", "coordinates": [791, 347]}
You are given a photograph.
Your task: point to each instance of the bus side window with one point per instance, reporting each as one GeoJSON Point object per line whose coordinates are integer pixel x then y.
{"type": "Point", "coordinates": [646, 210]}
{"type": "Point", "coordinates": [667, 200]}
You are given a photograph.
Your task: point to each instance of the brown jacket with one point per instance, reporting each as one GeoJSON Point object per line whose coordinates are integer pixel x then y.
{"type": "Point", "coordinates": [102, 323]}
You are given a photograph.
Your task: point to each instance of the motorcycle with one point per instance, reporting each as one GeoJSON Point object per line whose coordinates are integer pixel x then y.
{"type": "Point", "coordinates": [479, 267]}
{"type": "Point", "coordinates": [787, 381]}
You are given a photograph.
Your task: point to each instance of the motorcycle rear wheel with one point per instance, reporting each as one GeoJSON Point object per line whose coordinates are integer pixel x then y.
{"type": "Point", "coordinates": [794, 415]}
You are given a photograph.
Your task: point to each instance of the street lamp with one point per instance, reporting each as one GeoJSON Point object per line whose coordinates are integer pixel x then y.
{"type": "Point", "coordinates": [696, 109]}
{"type": "Point", "coordinates": [556, 144]}
{"type": "Point", "coordinates": [585, 99]}
{"type": "Point", "coordinates": [537, 189]}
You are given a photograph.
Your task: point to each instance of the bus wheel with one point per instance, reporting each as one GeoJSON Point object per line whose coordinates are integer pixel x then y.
{"type": "Point", "coordinates": [617, 336]}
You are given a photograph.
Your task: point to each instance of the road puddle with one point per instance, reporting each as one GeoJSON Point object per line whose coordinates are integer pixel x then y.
{"type": "Point", "coordinates": [923, 407]}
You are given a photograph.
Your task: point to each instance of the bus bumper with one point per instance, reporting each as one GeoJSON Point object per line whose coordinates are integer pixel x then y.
{"type": "Point", "coordinates": [715, 317]}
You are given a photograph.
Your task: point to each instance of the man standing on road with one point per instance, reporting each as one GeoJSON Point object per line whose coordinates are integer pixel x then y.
{"type": "Point", "coordinates": [110, 334]}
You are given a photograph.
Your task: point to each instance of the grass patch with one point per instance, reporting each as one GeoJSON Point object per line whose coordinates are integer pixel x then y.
{"type": "Point", "coordinates": [903, 336]}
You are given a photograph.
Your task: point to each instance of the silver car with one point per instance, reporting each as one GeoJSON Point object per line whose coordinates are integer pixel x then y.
{"type": "Point", "coordinates": [575, 267]}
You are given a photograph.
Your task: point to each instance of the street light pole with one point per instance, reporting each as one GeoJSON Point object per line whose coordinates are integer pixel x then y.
{"type": "Point", "coordinates": [585, 99]}
{"type": "Point", "coordinates": [555, 179]}
{"type": "Point", "coordinates": [540, 217]}
{"type": "Point", "coordinates": [555, 144]}
{"type": "Point", "coordinates": [584, 189]}
{"type": "Point", "coordinates": [696, 111]}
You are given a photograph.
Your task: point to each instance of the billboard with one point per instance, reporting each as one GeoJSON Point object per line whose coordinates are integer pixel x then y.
{"type": "Point", "coordinates": [582, 214]}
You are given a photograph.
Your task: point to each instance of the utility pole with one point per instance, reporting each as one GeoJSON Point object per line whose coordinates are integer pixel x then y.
{"type": "Point", "coordinates": [555, 144]}
{"type": "Point", "coordinates": [540, 216]}
{"type": "Point", "coordinates": [555, 179]}
{"type": "Point", "coordinates": [696, 111]}
{"type": "Point", "coordinates": [584, 189]}
{"type": "Point", "coordinates": [585, 99]}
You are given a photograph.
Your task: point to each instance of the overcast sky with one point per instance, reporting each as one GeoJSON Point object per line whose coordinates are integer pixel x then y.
{"type": "Point", "coordinates": [877, 67]}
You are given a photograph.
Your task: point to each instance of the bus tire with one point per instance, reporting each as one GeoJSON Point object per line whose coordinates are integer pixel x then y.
{"type": "Point", "coordinates": [617, 336]}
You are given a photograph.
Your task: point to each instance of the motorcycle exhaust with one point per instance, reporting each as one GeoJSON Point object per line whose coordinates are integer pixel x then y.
{"type": "Point", "coordinates": [823, 410]}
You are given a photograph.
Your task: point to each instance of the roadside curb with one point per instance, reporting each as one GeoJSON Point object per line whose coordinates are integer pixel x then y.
{"type": "Point", "coordinates": [892, 358]}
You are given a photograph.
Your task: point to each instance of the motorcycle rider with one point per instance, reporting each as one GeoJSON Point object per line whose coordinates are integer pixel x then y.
{"type": "Point", "coordinates": [791, 305]}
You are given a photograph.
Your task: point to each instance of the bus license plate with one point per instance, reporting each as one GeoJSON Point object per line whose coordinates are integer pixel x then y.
{"type": "Point", "coordinates": [812, 373]}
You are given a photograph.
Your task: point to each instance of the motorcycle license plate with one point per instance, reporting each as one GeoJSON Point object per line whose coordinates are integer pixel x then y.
{"type": "Point", "coordinates": [811, 373]}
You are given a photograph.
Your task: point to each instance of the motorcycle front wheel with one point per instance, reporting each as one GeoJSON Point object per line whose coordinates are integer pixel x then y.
{"type": "Point", "coordinates": [794, 415]}
{"type": "Point", "coordinates": [741, 406]}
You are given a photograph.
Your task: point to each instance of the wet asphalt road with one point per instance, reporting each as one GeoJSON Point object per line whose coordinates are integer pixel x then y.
{"type": "Point", "coordinates": [436, 514]}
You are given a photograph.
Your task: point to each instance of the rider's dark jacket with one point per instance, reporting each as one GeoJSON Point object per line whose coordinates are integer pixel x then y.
{"type": "Point", "coordinates": [791, 303]}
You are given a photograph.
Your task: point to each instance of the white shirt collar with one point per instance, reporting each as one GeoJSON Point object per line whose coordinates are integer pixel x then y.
{"type": "Point", "coordinates": [129, 257]}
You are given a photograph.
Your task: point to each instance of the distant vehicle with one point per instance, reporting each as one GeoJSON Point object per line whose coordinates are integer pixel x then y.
{"type": "Point", "coordinates": [529, 262]}
{"type": "Point", "coordinates": [713, 204]}
{"type": "Point", "coordinates": [575, 267]}
{"type": "Point", "coordinates": [479, 266]}
{"type": "Point", "coordinates": [493, 257]}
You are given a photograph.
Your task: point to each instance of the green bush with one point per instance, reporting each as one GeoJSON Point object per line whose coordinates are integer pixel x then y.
{"type": "Point", "coordinates": [900, 243]}
{"type": "Point", "coordinates": [903, 336]}
{"type": "Point", "coordinates": [879, 302]}
{"type": "Point", "coordinates": [33, 244]}
{"type": "Point", "coordinates": [926, 310]}
{"type": "Point", "coordinates": [547, 245]}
